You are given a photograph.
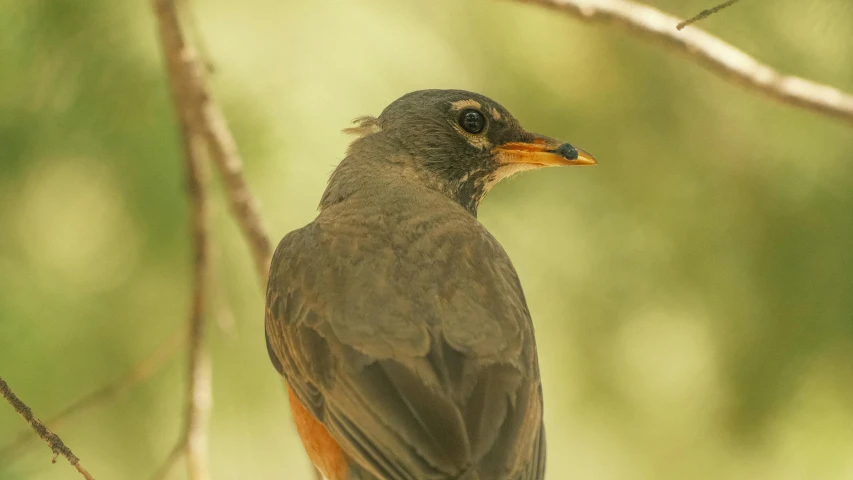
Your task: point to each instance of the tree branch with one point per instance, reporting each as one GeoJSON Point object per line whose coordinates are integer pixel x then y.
{"type": "Point", "coordinates": [714, 54]}
{"type": "Point", "coordinates": [163, 471]}
{"type": "Point", "coordinates": [138, 373]}
{"type": "Point", "coordinates": [184, 72]}
{"type": "Point", "coordinates": [209, 121]}
{"type": "Point", "coordinates": [244, 206]}
{"type": "Point", "coordinates": [200, 389]}
{"type": "Point", "coordinates": [53, 441]}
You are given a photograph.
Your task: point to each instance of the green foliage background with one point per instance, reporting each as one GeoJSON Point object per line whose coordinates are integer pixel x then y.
{"type": "Point", "coordinates": [693, 293]}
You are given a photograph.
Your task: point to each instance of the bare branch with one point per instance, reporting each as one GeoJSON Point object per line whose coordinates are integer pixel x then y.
{"type": "Point", "coordinates": [185, 71]}
{"type": "Point", "coordinates": [177, 450]}
{"type": "Point", "coordinates": [53, 441]}
{"type": "Point", "coordinates": [200, 389]}
{"type": "Point", "coordinates": [222, 311]}
{"type": "Point", "coordinates": [197, 108]}
{"type": "Point", "coordinates": [716, 55]}
{"type": "Point", "coordinates": [223, 150]}
{"type": "Point", "coordinates": [705, 14]}
{"type": "Point", "coordinates": [138, 373]}
{"type": "Point", "coordinates": [190, 89]}
{"type": "Point", "coordinates": [244, 206]}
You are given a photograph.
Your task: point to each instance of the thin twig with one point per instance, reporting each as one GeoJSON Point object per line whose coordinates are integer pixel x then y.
{"type": "Point", "coordinates": [223, 149]}
{"type": "Point", "coordinates": [223, 313]}
{"type": "Point", "coordinates": [53, 441]}
{"type": "Point", "coordinates": [244, 205]}
{"type": "Point", "coordinates": [718, 56]}
{"type": "Point", "coordinates": [196, 37]}
{"type": "Point", "coordinates": [174, 455]}
{"type": "Point", "coordinates": [184, 69]}
{"type": "Point", "coordinates": [200, 390]}
{"type": "Point", "coordinates": [138, 373]}
{"type": "Point", "coordinates": [224, 152]}
{"type": "Point", "coordinates": [705, 14]}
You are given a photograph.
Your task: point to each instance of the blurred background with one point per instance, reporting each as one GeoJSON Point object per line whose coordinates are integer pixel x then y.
{"type": "Point", "coordinates": [693, 293]}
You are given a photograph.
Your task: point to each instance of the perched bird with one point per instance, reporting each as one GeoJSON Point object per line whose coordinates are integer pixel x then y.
{"type": "Point", "coordinates": [397, 319]}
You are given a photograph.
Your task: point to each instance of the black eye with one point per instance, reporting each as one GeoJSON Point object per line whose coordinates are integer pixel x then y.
{"type": "Point", "coordinates": [472, 121]}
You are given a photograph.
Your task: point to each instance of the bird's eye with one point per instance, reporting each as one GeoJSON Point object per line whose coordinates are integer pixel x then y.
{"type": "Point", "coordinates": [472, 121]}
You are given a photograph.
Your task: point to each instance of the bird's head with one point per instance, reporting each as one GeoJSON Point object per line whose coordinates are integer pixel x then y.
{"type": "Point", "coordinates": [466, 142]}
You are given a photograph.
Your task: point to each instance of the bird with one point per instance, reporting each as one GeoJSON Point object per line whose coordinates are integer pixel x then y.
{"type": "Point", "coordinates": [397, 320]}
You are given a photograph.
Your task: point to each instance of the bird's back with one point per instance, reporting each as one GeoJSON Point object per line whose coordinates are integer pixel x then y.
{"type": "Point", "coordinates": [400, 324]}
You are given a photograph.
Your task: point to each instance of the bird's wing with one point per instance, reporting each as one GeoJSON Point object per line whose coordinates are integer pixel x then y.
{"type": "Point", "coordinates": [417, 354]}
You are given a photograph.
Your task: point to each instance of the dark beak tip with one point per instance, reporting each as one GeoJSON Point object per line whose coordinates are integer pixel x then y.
{"type": "Point", "coordinates": [568, 151]}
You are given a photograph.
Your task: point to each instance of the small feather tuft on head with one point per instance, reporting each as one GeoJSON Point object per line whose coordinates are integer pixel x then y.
{"type": "Point", "coordinates": [364, 126]}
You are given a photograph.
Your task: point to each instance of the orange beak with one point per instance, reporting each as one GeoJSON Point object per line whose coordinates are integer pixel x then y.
{"type": "Point", "coordinates": [542, 152]}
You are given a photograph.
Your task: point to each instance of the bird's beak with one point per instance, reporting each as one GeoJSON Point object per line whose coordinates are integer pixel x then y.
{"type": "Point", "coordinates": [542, 152]}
